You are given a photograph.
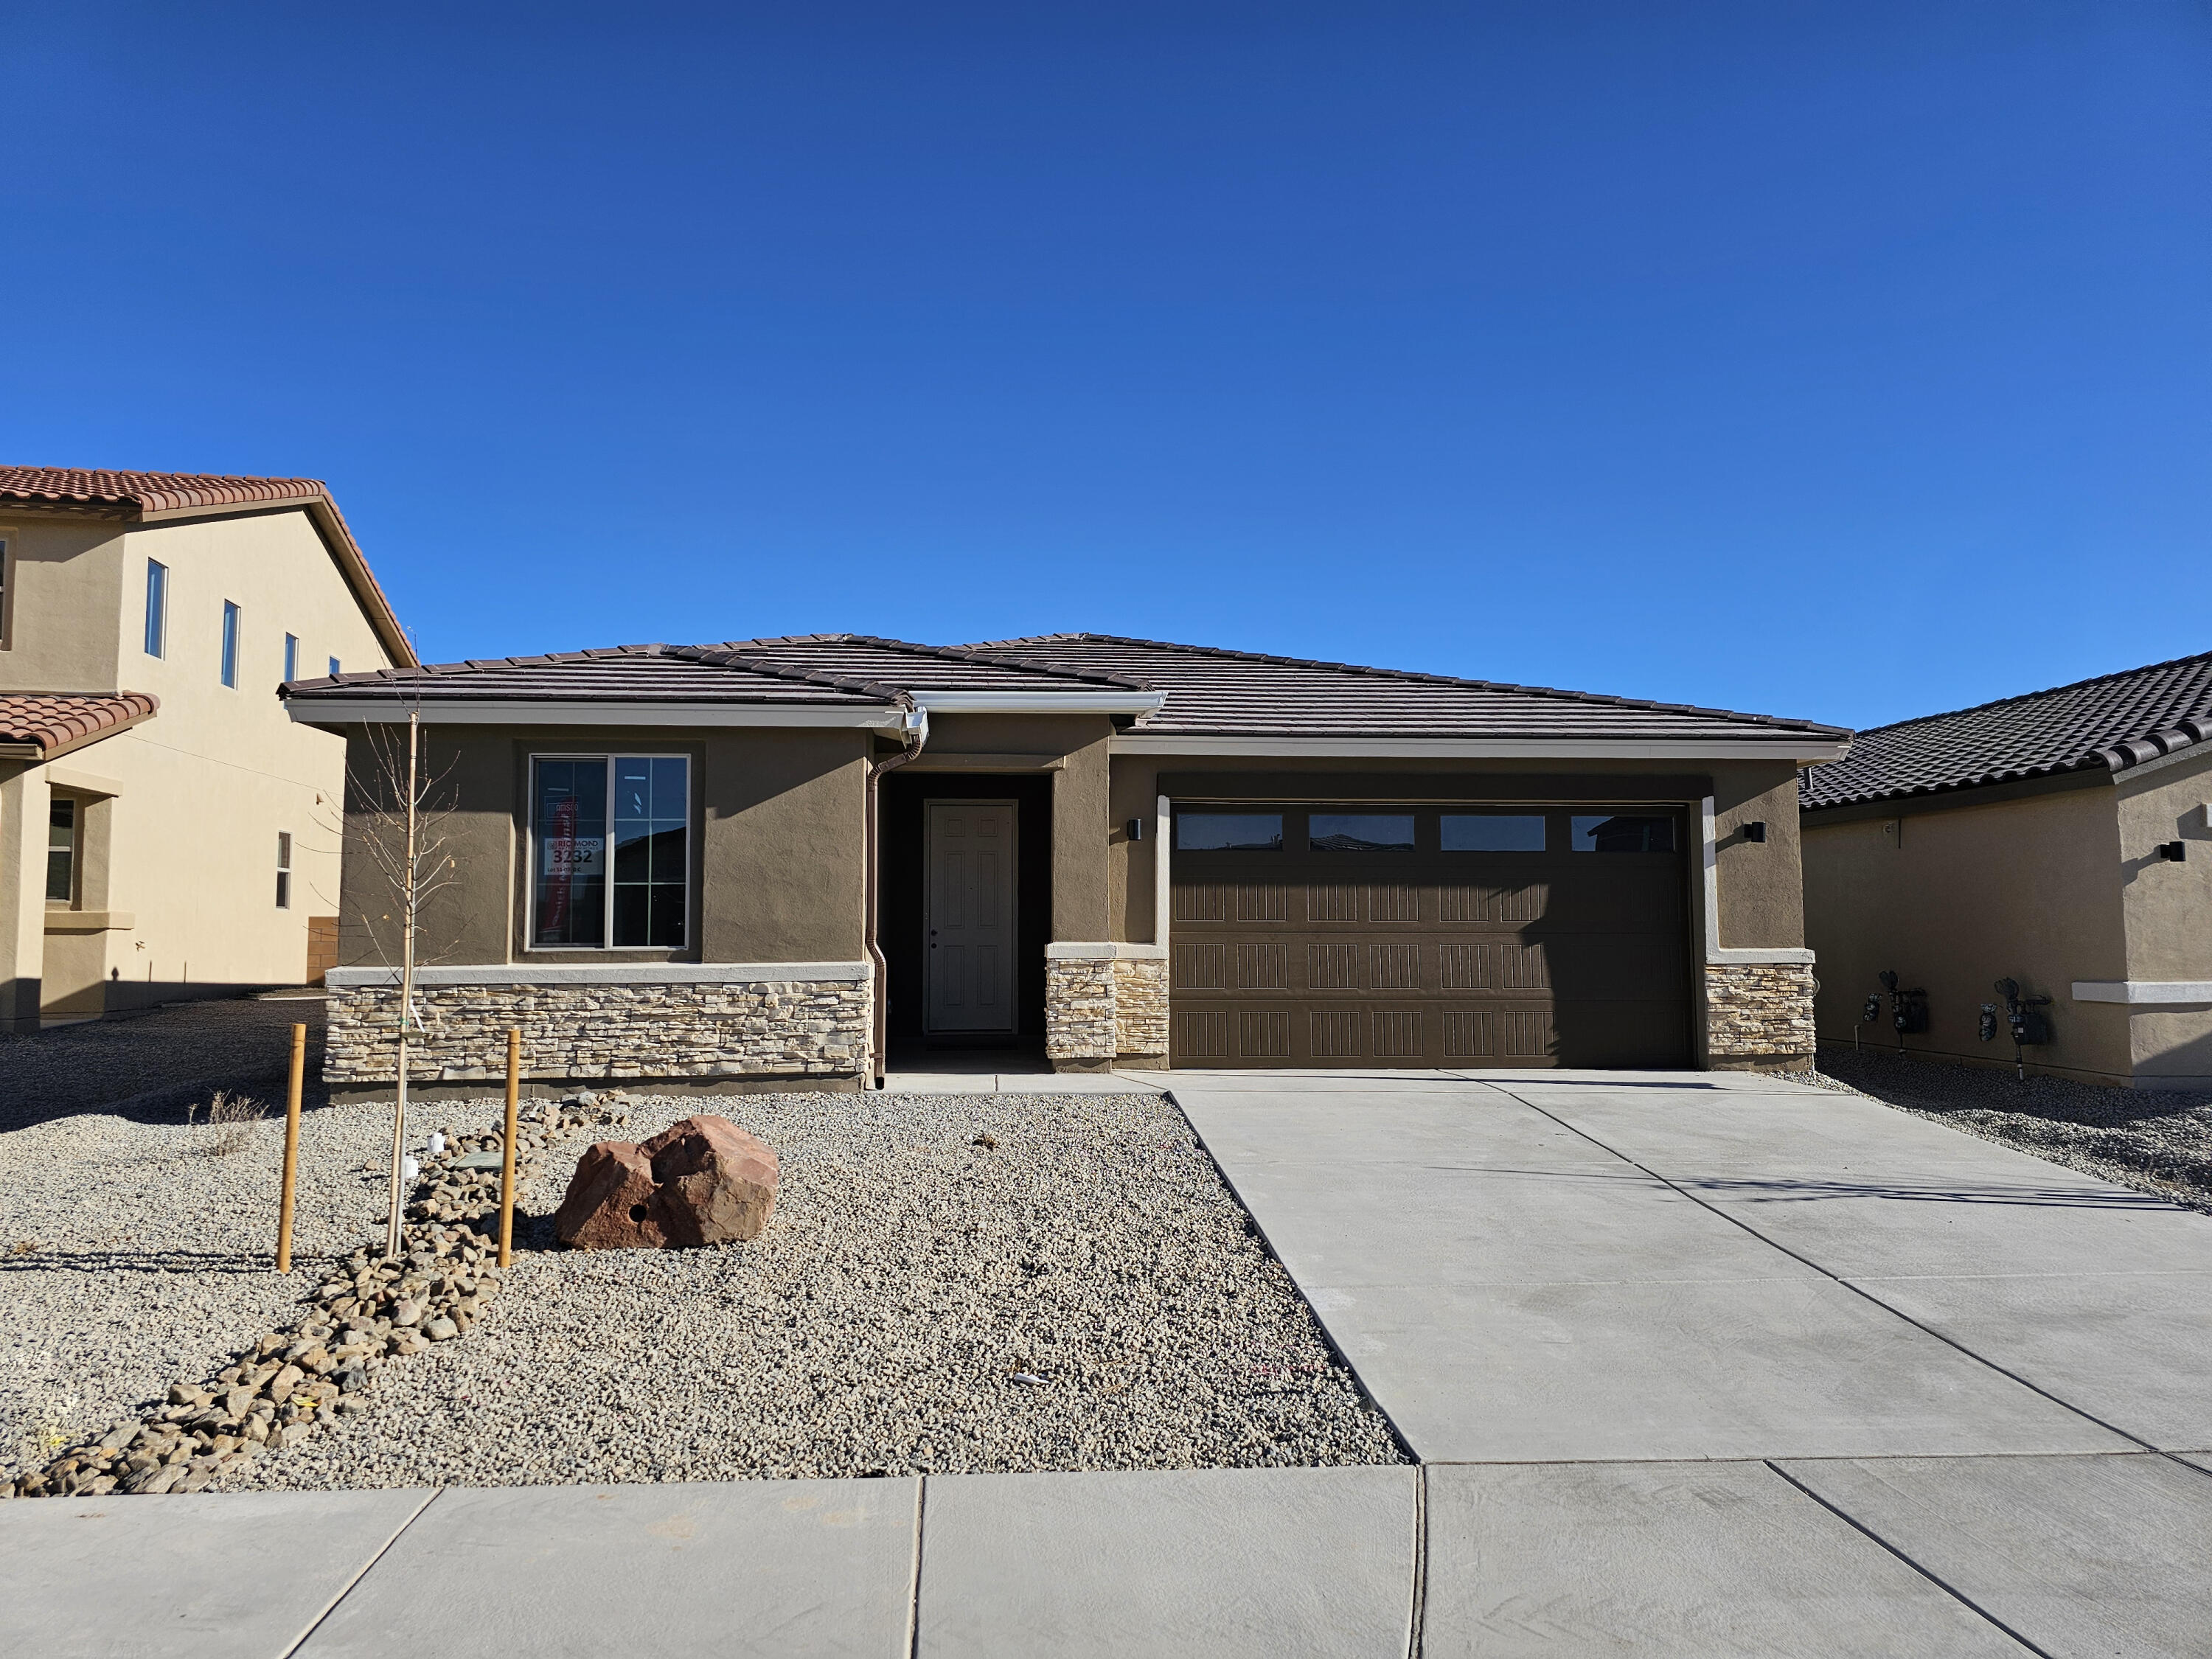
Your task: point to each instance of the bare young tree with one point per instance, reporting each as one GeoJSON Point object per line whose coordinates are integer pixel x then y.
{"type": "Point", "coordinates": [403, 834]}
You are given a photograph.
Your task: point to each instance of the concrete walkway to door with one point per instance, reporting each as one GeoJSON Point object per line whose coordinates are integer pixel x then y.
{"type": "Point", "coordinates": [1676, 1347]}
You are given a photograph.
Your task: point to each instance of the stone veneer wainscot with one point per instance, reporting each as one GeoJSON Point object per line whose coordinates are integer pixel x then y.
{"type": "Point", "coordinates": [678, 1022]}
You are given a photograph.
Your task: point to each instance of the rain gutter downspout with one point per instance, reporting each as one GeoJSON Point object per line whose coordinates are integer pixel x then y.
{"type": "Point", "coordinates": [916, 735]}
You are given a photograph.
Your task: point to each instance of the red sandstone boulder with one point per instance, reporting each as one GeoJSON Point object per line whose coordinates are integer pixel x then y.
{"type": "Point", "coordinates": [609, 1204]}
{"type": "Point", "coordinates": [704, 1181]}
{"type": "Point", "coordinates": [715, 1183]}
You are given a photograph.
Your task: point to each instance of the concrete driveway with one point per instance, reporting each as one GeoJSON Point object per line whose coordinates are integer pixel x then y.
{"type": "Point", "coordinates": [1695, 1361]}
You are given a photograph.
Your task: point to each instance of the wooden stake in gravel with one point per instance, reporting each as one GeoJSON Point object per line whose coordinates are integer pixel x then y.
{"type": "Point", "coordinates": [507, 1147]}
{"type": "Point", "coordinates": [291, 1149]}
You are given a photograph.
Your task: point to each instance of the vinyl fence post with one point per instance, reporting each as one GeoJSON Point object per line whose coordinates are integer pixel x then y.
{"type": "Point", "coordinates": [507, 1147]}
{"type": "Point", "coordinates": [291, 1149]}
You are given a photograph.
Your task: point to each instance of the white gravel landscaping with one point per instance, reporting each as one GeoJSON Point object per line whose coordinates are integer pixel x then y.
{"type": "Point", "coordinates": [1084, 1293]}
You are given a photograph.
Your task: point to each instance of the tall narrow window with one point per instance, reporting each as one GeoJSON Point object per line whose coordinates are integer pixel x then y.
{"type": "Point", "coordinates": [157, 609]}
{"type": "Point", "coordinates": [61, 852]}
{"type": "Point", "coordinates": [6, 580]}
{"type": "Point", "coordinates": [636, 807]}
{"type": "Point", "coordinates": [335, 670]}
{"type": "Point", "coordinates": [291, 656]}
{"type": "Point", "coordinates": [283, 869]}
{"type": "Point", "coordinates": [230, 644]}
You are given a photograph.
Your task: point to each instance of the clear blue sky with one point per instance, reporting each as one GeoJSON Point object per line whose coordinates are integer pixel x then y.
{"type": "Point", "coordinates": [1841, 360]}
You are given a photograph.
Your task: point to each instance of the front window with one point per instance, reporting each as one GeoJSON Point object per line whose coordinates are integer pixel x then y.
{"type": "Point", "coordinates": [611, 836]}
{"type": "Point", "coordinates": [61, 852]}
{"type": "Point", "coordinates": [157, 608]}
{"type": "Point", "coordinates": [230, 644]}
{"type": "Point", "coordinates": [1624, 832]}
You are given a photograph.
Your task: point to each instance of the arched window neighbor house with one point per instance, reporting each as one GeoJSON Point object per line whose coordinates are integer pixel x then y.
{"type": "Point", "coordinates": [2058, 840]}
{"type": "Point", "coordinates": [766, 863]}
{"type": "Point", "coordinates": [165, 831]}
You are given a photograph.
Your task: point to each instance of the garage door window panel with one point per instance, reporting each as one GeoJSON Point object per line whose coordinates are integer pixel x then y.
{"type": "Point", "coordinates": [1492, 832]}
{"type": "Point", "coordinates": [1360, 832]}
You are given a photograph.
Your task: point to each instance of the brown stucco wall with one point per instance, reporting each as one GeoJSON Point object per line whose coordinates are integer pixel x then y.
{"type": "Point", "coordinates": [1958, 895]}
{"type": "Point", "coordinates": [1761, 884]}
{"type": "Point", "coordinates": [776, 868]}
{"type": "Point", "coordinates": [1081, 880]}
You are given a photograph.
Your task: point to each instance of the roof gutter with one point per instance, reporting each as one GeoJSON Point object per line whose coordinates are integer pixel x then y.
{"type": "Point", "coordinates": [332, 712]}
{"type": "Point", "coordinates": [1104, 702]}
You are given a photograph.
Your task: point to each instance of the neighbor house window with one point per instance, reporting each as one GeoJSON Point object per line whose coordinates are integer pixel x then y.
{"type": "Point", "coordinates": [1360, 832]}
{"type": "Point", "coordinates": [283, 869]}
{"type": "Point", "coordinates": [291, 656]}
{"type": "Point", "coordinates": [1623, 832]}
{"type": "Point", "coordinates": [157, 609]}
{"type": "Point", "coordinates": [335, 670]}
{"type": "Point", "coordinates": [230, 644]}
{"type": "Point", "coordinates": [7, 586]}
{"type": "Point", "coordinates": [1228, 832]}
{"type": "Point", "coordinates": [1492, 832]}
{"type": "Point", "coordinates": [611, 860]}
{"type": "Point", "coordinates": [62, 822]}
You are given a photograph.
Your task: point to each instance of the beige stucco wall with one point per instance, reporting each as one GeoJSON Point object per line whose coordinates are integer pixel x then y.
{"type": "Point", "coordinates": [1957, 897]}
{"type": "Point", "coordinates": [777, 868]}
{"type": "Point", "coordinates": [183, 811]}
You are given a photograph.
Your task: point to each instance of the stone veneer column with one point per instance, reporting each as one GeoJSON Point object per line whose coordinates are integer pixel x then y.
{"type": "Point", "coordinates": [1759, 1016]}
{"type": "Point", "coordinates": [1078, 1013]}
{"type": "Point", "coordinates": [1140, 1011]}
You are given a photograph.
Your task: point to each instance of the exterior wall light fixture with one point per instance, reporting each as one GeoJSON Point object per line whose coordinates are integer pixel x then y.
{"type": "Point", "coordinates": [1755, 830]}
{"type": "Point", "coordinates": [2173, 852]}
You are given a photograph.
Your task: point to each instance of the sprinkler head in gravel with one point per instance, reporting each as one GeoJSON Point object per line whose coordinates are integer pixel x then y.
{"type": "Point", "coordinates": [986, 1142]}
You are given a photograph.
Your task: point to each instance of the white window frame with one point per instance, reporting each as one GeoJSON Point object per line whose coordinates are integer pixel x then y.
{"type": "Point", "coordinates": [530, 845]}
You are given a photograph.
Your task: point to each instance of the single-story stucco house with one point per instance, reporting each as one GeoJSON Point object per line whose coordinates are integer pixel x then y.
{"type": "Point", "coordinates": [2058, 840]}
{"type": "Point", "coordinates": [765, 863]}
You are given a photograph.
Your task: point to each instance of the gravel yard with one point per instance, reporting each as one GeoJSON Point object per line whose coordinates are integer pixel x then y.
{"type": "Point", "coordinates": [2157, 1141]}
{"type": "Point", "coordinates": [1085, 1293]}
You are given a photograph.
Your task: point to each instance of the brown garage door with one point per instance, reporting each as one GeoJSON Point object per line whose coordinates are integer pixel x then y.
{"type": "Point", "coordinates": [1424, 936]}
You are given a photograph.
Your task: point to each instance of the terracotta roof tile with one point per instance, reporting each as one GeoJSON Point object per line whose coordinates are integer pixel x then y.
{"type": "Point", "coordinates": [148, 492]}
{"type": "Point", "coordinates": [54, 722]}
{"type": "Point", "coordinates": [2106, 724]}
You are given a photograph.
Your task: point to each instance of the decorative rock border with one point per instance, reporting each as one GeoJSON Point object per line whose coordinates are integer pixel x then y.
{"type": "Point", "coordinates": [289, 1383]}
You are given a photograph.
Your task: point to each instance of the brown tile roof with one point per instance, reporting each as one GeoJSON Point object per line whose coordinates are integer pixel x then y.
{"type": "Point", "coordinates": [2103, 725]}
{"type": "Point", "coordinates": [40, 725]}
{"type": "Point", "coordinates": [1213, 692]}
{"type": "Point", "coordinates": [94, 490]}
{"type": "Point", "coordinates": [1210, 693]}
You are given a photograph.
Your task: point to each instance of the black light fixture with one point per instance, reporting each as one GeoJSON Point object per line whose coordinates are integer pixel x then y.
{"type": "Point", "coordinates": [1136, 828]}
{"type": "Point", "coordinates": [2173, 852]}
{"type": "Point", "coordinates": [1755, 830]}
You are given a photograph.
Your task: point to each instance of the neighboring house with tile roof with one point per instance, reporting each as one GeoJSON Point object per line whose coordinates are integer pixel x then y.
{"type": "Point", "coordinates": [765, 863]}
{"type": "Point", "coordinates": [2057, 839]}
{"type": "Point", "coordinates": [165, 830]}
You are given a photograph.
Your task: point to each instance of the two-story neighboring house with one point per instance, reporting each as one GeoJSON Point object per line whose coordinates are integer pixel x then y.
{"type": "Point", "coordinates": [165, 830]}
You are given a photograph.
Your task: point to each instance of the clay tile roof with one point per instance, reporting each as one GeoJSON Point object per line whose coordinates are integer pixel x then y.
{"type": "Point", "coordinates": [148, 492]}
{"type": "Point", "coordinates": [40, 725]}
{"type": "Point", "coordinates": [91, 490]}
{"type": "Point", "coordinates": [2106, 724]}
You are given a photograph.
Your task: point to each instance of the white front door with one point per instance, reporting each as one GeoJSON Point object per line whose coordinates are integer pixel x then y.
{"type": "Point", "coordinates": [969, 856]}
